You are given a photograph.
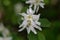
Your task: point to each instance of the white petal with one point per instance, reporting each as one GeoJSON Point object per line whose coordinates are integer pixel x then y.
{"type": "Point", "coordinates": [5, 32]}
{"type": "Point", "coordinates": [42, 5]}
{"type": "Point", "coordinates": [28, 30]}
{"type": "Point", "coordinates": [24, 23]}
{"type": "Point", "coordinates": [33, 30]}
{"type": "Point", "coordinates": [1, 26]}
{"type": "Point", "coordinates": [42, 0]}
{"type": "Point", "coordinates": [24, 14]}
{"type": "Point", "coordinates": [36, 17]}
{"type": "Point", "coordinates": [38, 23]}
{"type": "Point", "coordinates": [27, 2]}
{"type": "Point", "coordinates": [37, 27]}
{"type": "Point", "coordinates": [31, 5]}
{"type": "Point", "coordinates": [34, 25]}
{"type": "Point", "coordinates": [30, 11]}
{"type": "Point", "coordinates": [37, 9]}
{"type": "Point", "coordinates": [30, 1]}
{"type": "Point", "coordinates": [22, 28]}
{"type": "Point", "coordinates": [35, 6]}
{"type": "Point", "coordinates": [1, 38]}
{"type": "Point", "coordinates": [7, 38]}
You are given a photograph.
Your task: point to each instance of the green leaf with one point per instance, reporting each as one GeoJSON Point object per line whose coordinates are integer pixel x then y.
{"type": "Point", "coordinates": [6, 2]}
{"type": "Point", "coordinates": [56, 23]}
{"type": "Point", "coordinates": [32, 36]}
{"type": "Point", "coordinates": [23, 0]}
{"type": "Point", "coordinates": [49, 33]}
{"type": "Point", "coordinates": [41, 36]}
{"type": "Point", "coordinates": [45, 22]}
{"type": "Point", "coordinates": [46, 1]}
{"type": "Point", "coordinates": [58, 37]}
{"type": "Point", "coordinates": [38, 36]}
{"type": "Point", "coordinates": [16, 37]}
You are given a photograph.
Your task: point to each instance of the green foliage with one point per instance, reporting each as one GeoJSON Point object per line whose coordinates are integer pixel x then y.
{"type": "Point", "coordinates": [47, 2]}
{"type": "Point", "coordinates": [6, 2]}
{"type": "Point", "coordinates": [41, 36]}
{"type": "Point", "coordinates": [38, 36]}
{"type": "Point", "coordinates": [16, 37]}
{"type": "Point", "coordinates": [56, 23]}
{"type": "Point", "coordinates": [45, 22]}
{"type": "Point", "coordinates": [32, 36]}
{"type": "Point", "coordinates": [58, 37]}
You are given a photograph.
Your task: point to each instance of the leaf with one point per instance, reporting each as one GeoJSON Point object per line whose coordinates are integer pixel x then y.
{"type": "Point", "coordinates": [6, 2]}
{"type": "Point", "coordinates": [45, 22]}
{"type": "Point", "coordinates": [16, 37]}
{"type": "Point", "coordinates": [41, 36]}
{"type": "Point", "coordinates": [56, 23]}
{"type": "Point", "coordinates": [32, 36]}
{"type": "Point", "coordinates": [47, 1]}
{"type": "Point", "coordinates": [58, 37]}
{"type": "Point", "coordinates": [38, 36]}
{"type": "Point", "coordinates": [23, 0]}
{"type": "Point", "coordinates": [49, 33]}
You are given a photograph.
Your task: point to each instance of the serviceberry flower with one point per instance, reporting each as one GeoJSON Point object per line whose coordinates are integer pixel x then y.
{"type": "Point", "coordinates": [30, 21]}
{"type": "Point", "coordinates": [5, 32]}
{"type": "Point", "coordinates": [36, 4]}
{"type": "Point", "coordinates": [18, 7]}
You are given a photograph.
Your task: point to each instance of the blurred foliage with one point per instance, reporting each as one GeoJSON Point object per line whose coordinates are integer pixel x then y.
{"type": "Point", "coordinates": [50, 20]}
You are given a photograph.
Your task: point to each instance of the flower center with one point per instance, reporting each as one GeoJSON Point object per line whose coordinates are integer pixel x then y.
{"type": "Point", "coordinates": [29, 17]}
{"type": "Point", "coordinates": [37, 1]}
{"type": "Point", "coordinates": [29, 22]}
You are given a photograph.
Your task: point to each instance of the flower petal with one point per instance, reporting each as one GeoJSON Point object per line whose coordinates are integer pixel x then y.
{"type": "Point", "coordinates": [6, 32]}
{"type": "Point", "coordinates": [35, 6]}
{"type": "Point", "coordinates": [7, 38]}
{"type": "Point", "coordinates": [41, 0]}
{"type": "Point", "coordinates": [42, 5]}
{"type": "Point", "coordinates": [24, 23]}
{"type": "Point", "coordinates": [33, 30]}
{"type": "Point", "coordinates": [38, 23]}
{"type": "Point", "coordinates": [30, 11]}
{"type": "Point", "coordinates": [31, 5]}
{"type": "Point", "coordinates": [36, 17]}
{"type": "Point", "coordinates": [27, 2]}
{"type": "Point", "coordinates": [28, 30]}
{"type": "Point", "coordinates": [1, 38]}
{"type": "Point", "coordinates": [22, 28]}
{"type": "Point", "coordinates": [37, 9]}
{"type": "Point", "coordinates": [37, 27]}
{"type": "Point", "coordinates": [24, 14]}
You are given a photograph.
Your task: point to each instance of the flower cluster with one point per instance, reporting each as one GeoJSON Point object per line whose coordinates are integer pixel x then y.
{"type": "Point", "coordinates": [5, 33]}
{"type": "Point", "coordinates": [30, 20]}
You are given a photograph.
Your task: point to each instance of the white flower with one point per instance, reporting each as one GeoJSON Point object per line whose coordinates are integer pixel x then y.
{"type": "Point", "coordinates": [30, 21]}
{"type": "Point", "coordinates": [5, 38]}
{"type": "Point", "coordinates": [1, 26]}
{"type": "Point", "coordinates": [18, 7]}
{"type": "Point", "coordinates": [36, 4]}
{"type": "Point", "coordinates": [5, 32]}
{"type": "Point", "coordinates": [1, 38]}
